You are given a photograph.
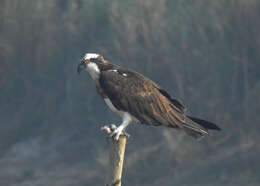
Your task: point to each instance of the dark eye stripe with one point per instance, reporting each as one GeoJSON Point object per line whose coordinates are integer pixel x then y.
{"type": "Point", "coordinates": [94, 59]}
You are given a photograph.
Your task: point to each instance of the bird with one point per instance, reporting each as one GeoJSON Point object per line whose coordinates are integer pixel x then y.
{"type": "Point", "coordinates": [136, 98]}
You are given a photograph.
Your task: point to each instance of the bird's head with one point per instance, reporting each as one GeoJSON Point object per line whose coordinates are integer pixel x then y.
{"type": "Point", "coordinates": [91, 63]}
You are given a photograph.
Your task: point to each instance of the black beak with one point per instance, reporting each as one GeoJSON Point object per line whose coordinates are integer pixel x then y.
{"type": "Point", "coordinates": [81, 66]}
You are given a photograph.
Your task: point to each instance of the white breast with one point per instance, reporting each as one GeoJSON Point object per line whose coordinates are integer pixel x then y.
{"type": "Point", "coordinates": [120, 113]}
{"type": "Point", "coordinates": [113, 108]}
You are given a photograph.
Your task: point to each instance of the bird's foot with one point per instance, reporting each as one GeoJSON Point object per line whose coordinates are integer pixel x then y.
{"type": "Point", "coordinates": [126, 134]}
{"type": "Point", "coordinates": [115, 132]}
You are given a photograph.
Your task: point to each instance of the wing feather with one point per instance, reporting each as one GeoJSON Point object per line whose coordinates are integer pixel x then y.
{"type": "Point", "coordinates": [141, 97]}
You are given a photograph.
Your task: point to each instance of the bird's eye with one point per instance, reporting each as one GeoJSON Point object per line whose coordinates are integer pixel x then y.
{"type": "Point", "coordinates": [96, 60]}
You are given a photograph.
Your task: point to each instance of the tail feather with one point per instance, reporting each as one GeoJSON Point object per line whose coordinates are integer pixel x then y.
{"type": "Point", "coordinates": [194, 129]}
{"type": "Point", "coordinates": [198, 128]}
{"type": "Point", "coordinates": [205, 124]}
{"type": "Point", "coordinates": [195, 134]}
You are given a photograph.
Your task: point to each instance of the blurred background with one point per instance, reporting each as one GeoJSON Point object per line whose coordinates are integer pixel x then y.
{"type": "Point", "coordinates": [206, 53]}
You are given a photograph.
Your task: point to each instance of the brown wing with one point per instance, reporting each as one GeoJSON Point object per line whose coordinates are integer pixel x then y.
{"type": "Point", "coordinates": [142, 98]}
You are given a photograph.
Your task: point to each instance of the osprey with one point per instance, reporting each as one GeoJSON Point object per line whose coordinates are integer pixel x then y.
{"type": "Point", "coordinates": [136, 98]}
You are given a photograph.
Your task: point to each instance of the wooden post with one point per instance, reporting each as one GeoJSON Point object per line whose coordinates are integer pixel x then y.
{"type": "Point", "coordinates": [116, 159]}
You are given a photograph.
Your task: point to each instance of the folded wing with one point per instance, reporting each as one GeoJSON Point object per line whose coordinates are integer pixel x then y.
{"type": "Point", "coordinates": [142, 98]}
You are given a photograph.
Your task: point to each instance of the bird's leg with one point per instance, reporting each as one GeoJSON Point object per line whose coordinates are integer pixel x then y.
{"type": "Point", "coordinates": [120, 129]}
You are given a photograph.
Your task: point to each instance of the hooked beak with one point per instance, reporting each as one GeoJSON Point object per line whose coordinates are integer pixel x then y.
{"type": "Point", "coordinates": [81, 66]}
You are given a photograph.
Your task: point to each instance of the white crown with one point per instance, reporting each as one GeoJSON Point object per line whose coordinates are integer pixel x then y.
{"type": "Point", "coordinates": [90, 55]}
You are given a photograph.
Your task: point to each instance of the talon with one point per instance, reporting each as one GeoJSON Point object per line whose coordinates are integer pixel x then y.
{"type": "Point", "coordinates": [112, 134]}
{"type": "Point", "coordinates": [115, 132]}
{"type": "Point", "coordinates": [126, 134]}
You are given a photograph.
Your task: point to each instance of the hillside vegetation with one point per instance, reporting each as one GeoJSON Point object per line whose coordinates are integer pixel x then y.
{"type": "Point", "coordinates": [206, 53]}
